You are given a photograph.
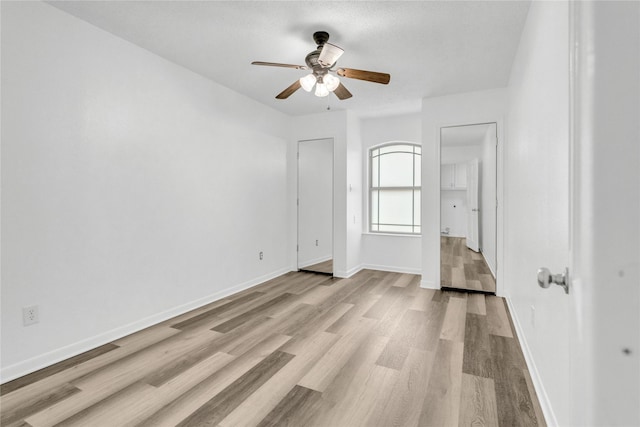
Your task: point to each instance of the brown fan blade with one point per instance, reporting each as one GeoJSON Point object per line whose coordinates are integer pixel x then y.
{"type": "Point", "coordinates": [289, 91]}
{"type": "Point", "coordinates": [342, 92]}
{"type": "Point", "coordinates": [276, 64]}
{"type": "Point", "coordinates": [370, 76]}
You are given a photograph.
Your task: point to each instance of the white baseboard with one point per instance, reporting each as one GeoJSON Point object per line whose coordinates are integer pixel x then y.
{"type": "Point", "coordinates": [392, 268]}
{"type": "Point", "coordinates": [42, 361]}
{"type": "Point", "coordinates": [346, 274]}
{"type": "Point", "coordinates": [543, 398]}
{"type": "Point", "coordinates": [493, 273]}
{"type": "Point", "coordinates": [428, 284]}
{"type": "Point", "coordinates": [452, 235]}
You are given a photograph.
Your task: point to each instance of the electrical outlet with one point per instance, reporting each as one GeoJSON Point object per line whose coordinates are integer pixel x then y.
{"type": "Point", "coordinates": [316, 242]}
{"type": "Point", "coordinates": [261, 255]}
{"type": "Point", "coordinates": [30, 315]}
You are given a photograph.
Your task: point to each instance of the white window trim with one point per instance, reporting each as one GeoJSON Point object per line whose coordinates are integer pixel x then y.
{"type": "Point", "coordinates": [370, 189]}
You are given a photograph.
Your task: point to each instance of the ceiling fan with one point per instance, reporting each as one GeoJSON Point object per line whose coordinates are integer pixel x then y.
{"type": "Point", "coordinates": [321, 63]}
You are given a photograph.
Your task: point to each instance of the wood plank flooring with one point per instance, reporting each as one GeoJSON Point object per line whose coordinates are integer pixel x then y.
{"type": "Point", "coordinates": [325, 267]}
{"type": "Point", "coordinates": [462, 268]}
{"type": "Point", "coordinates": [299, 350]}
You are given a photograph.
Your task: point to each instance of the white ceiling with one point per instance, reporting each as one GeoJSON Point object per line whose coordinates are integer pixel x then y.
{"type": "Point", "coordinates": [430, 48]}
{"type": "Point", "coordinates": [459, 136]}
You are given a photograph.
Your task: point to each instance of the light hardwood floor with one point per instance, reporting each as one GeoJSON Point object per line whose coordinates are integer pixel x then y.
{"type": "Point", "coordinates": [462, 268]}
{"type": "Point", "coordinates": [325, 267]}
{"type": "Point", "coordinates": [300, 350]}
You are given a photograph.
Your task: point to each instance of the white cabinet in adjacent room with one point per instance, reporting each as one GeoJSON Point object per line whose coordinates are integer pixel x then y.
{"type": "Point", "coordinates": [453, 176]}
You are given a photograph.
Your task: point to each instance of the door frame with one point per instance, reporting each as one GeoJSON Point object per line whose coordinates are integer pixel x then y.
{"type": "Point", "coordinates": [499, 122]}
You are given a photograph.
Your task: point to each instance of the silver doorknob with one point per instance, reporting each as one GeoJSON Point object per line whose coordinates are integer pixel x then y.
{"type": "Point", "coordinates": [545, 279]}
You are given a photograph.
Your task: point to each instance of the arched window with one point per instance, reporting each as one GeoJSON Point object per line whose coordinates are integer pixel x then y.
{"type": "Point", "coordinates": [394, 188]}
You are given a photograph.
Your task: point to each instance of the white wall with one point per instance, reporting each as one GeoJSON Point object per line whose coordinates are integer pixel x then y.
{"type": "Point", "coordinates": [315, 206]}
{"type": "Point", "coordinates": [537, 202]}
{"type": "Point", "coordinates": [462, 109]}
{"type": "Point", "coordinates": [460, 154]}
{"type": "Point", "coordinates": [488, 184]}
{"type": "Point", "coordinates": [388, 252]}
{"type": "Point", "coordinates": [453, 213]}
{"type": "Point", "coordinates": [128, 187]}
{"type": "Point", "coordinates": [404, 258]}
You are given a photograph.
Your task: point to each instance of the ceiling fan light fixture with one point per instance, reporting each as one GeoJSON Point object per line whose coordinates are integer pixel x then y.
{"type": "Point", "coordinates": [320, 65]}
{"type": "Point", "coordinates": [307, 82]}
{"type": "Point", "coordinates": [321, 90]}
{"type": "Point", "coordinates": [331, 82]}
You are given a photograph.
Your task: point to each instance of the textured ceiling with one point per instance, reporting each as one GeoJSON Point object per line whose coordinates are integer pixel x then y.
{"type": "Point", "coordinates": [430, 48]}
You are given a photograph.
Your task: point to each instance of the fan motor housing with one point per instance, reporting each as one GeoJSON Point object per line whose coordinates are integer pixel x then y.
{"type": "Point", "coordinates": [312, 60]}
{"type": "Point", "coordinates": [320, 37]}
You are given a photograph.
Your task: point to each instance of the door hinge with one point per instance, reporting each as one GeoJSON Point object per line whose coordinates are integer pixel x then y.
{"type": "Point", "coordinates": [297, 248]}
{"type": "Point", "coordinates": [298, 202]}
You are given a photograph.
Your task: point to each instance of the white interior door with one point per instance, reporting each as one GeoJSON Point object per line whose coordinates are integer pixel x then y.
{"type": "Point", "coordinates": [472, 205]}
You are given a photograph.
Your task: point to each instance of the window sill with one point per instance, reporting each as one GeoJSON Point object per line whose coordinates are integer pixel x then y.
{"type": "Point", "coordinates": [368, 233]}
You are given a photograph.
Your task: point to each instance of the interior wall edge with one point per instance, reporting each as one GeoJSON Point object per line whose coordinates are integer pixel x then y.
{"type": "Point", "coordinates": [536, 379]}
{"type": "Point", "coordinates": [36, 363]}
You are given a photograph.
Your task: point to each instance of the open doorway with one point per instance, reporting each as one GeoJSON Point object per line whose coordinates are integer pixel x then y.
{"type": "Point", "coordinates": [468, 220]}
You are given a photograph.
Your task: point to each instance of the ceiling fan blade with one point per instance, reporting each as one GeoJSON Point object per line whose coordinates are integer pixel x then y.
{"type": "Point", "coordinates": [329, 54]}
{"type": "Point", "coordinates": [276, 64]}
{"type": "Point", "coordinates": [289, 91]}
{"type": "Point", "coordinates": [370, 76]}
{"type": "Point", "coordinates": [342, 92]}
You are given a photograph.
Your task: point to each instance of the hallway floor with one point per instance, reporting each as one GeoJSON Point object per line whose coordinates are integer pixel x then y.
{"type": "Point", "coordinates": [325, 267]}
{"type": "Point", "coordinates": [462, 268]}
{"type": "Point", "coordinates": [301, 349]}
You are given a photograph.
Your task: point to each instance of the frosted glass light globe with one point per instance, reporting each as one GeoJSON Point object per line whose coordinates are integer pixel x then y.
{"type": "Point", "coordinates": [307, 82]}
{"type": "Point", "coordinates": [331, 82]}
{"type": "Point", "coordinates": [321, 90]}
